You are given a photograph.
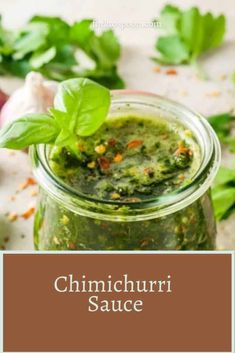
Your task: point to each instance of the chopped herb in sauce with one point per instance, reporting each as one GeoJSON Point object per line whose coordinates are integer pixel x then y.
{"type": "Point", "coordinates": [130, 157]}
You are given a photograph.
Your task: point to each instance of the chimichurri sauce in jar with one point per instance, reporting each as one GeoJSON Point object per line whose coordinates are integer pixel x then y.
{"type": "Point", "coordinates": [141, 182]}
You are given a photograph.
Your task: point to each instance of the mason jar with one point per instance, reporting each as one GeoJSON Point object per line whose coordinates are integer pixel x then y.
{"type": "Point", "coordinates": [66, 219]}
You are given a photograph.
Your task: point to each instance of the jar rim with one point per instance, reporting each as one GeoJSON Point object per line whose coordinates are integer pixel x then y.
{"type": "Point", "coordinates": [153, 207]}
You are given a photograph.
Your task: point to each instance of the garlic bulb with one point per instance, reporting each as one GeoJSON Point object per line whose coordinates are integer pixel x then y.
{"type": "Point", "coordinates": [36, 96]}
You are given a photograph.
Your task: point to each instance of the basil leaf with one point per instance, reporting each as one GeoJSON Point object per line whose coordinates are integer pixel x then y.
{"type": "Point", "coordinates": [29, 130]}
{"type": "Point", "coordinates": [80, 108]}
{"type": "Point", "coordinates": [85, 105]}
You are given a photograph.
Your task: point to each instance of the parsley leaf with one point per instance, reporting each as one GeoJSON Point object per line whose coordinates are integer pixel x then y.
{"type": "Point", "coordinates": [188, 34]}
{"type": "Point", "coordinates": [223, 193]}
{"type": "Point", "coordinates": [223, 190]}
{"type": "Point", "coordinates": [50, 45]}
{"type": "Point", "coordinates": [222, 124]}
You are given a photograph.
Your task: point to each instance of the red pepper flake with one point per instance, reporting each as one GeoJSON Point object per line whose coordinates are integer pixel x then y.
{"type": "Point", "coordinates": [104, 163]}
{"type": "Point", "coordinates": [171, 72]}
{"type": "Point", "coordinates": [144, 243]}
{"type": "Point", "coordinates": [134, 144]}
{"type": "Point", "coordinates": [149, 171]}
{"type": "Point", "coordinates": [112, 142]}
{"type": "Point", "coordinates": [29, 182]}
{"type": "Point", "coordinates": [72, 246]}
{"type": "Point", "coordinates": [118, 158]}
{"type": "Point", "coordinates": [27, 214]}
{"type": "Point", "coordinates": [181, 177]}
{"type": "Point", "coordinates": [183, 150]}
{"type": "Point", "coordinates": [34, 193]}
{"type": "Point", "coordinates": [157, 69]}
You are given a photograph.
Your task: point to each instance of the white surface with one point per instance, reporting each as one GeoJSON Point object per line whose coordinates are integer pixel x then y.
{"type": "Point", "coordinates": [138, 72]}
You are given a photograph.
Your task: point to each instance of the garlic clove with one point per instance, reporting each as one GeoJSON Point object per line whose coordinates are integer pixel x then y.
{"type": "Point", "coordinates": [35, 96]}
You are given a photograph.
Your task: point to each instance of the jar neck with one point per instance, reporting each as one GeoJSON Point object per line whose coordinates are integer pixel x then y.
{"type": "Point", "coordinates": [126, 103]}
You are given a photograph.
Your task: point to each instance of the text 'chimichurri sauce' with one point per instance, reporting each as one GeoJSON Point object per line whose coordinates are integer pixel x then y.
{"type": "Point", "coordinates": [130, 159]}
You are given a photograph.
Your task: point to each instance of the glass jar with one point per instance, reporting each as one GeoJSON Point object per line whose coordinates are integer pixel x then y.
{"type": "Point", "coordinates": [183, 220]}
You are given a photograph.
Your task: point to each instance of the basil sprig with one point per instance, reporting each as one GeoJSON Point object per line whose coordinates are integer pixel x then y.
{"type": "Point", "coordinates": [80, 108]}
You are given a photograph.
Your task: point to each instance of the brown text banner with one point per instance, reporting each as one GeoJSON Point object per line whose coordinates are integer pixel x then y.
{"type": "Point", "coordinates": [117, 302]}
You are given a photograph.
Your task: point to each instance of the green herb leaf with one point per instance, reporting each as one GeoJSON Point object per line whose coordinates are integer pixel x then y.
{"type": "Point", "coordinates": [170, 18]}
{"type": "Point", "coordinates": [30, 38]}
{"type": "Point", "coordinates": [173, 49]}
{"type": "Point", "coordinates": [222, 124]}
{"type": "Point", "coordinates": [80, 108]}
{"type": "Point", "coordinates": [223, 192]}
{"type": "Point", "coordinates": [224, 176]}
{"type": "Point", "coordinates": [188, 34]}
{"type": "Point", "coordinates": [29, 130]}
{"type": "Point", "coordinates": [85, 103]}
{"type": "Point", "coordinates": [104, 50]}
{"type": "Point", "coordinates": [230, 142]}
{"type": "Point", "coordinates": [58, 30]}
{"type": "Point", "coordinates": [50, 45]}
{"type": "Point", "coordinates": [41, 57]}
{"type": "Point", "coordinates": [223, 200]}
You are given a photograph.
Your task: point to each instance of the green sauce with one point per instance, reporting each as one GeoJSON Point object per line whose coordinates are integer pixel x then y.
{"type": "Point", "coordinates": [130, 159]}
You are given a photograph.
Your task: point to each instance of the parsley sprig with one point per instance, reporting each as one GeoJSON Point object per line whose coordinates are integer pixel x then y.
{"type": "Point", "coordinates": [223, 124]}
{"type": "Point", "coordinates": [51, 46]}
{"type": "Point", "coordinates": [188, 34]}
{"type": "Point", "coordinates": [223, 191]}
